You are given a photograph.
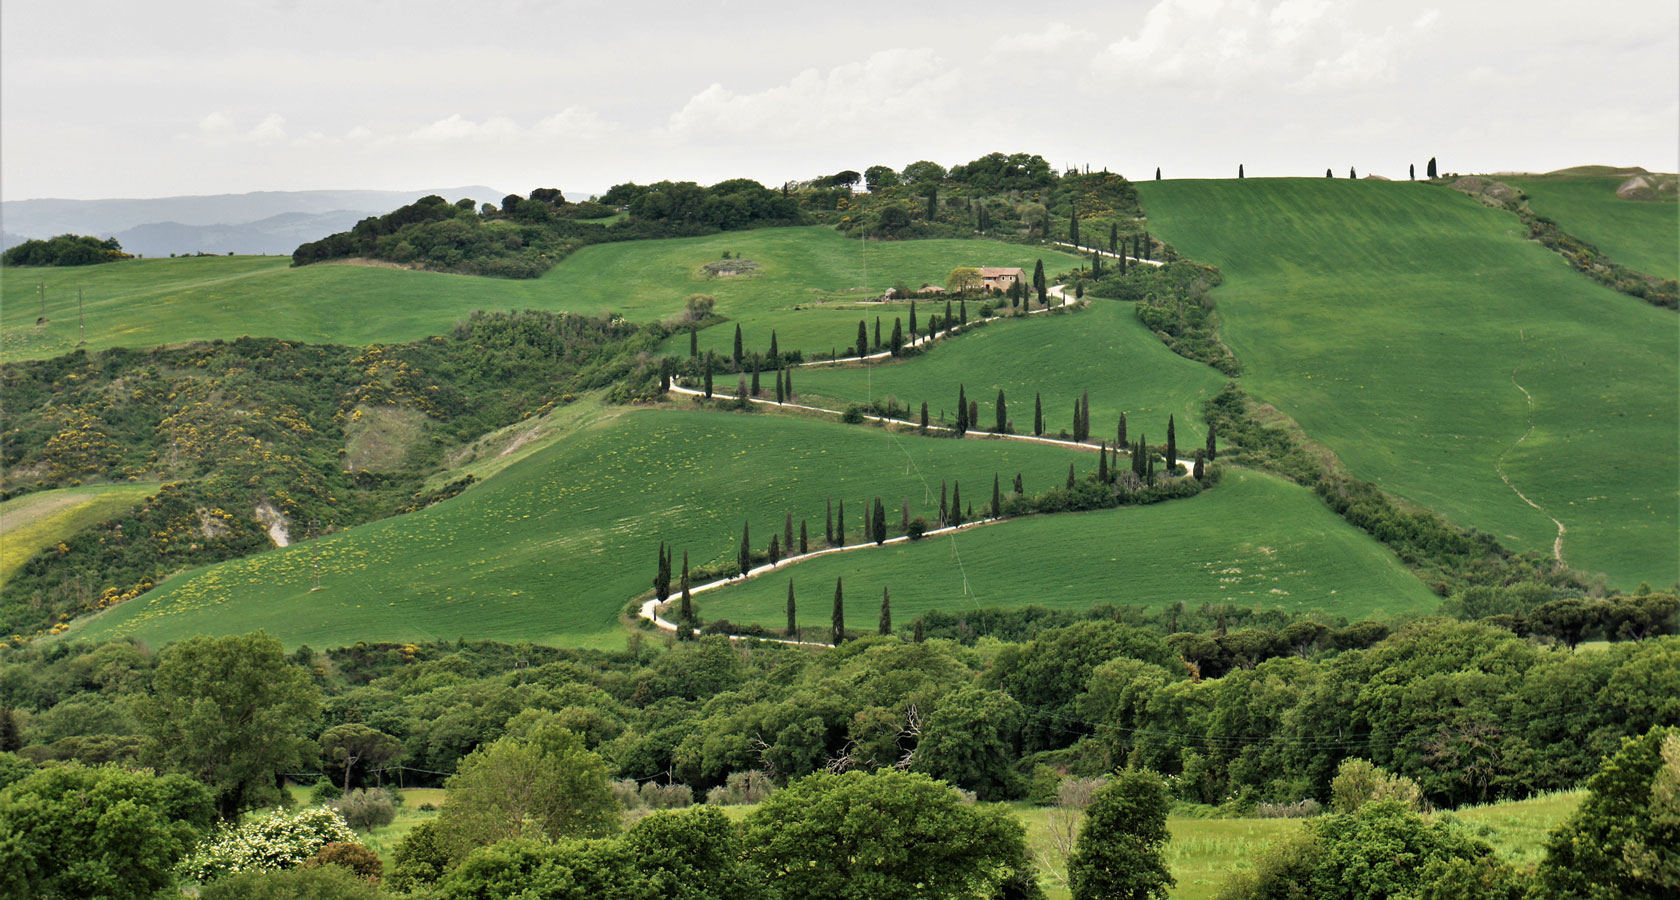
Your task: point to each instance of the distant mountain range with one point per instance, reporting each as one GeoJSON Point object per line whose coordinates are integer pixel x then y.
{"type": "Point", "coordinates": [258, 222]}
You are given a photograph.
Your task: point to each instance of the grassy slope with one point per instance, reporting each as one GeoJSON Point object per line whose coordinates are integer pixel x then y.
{"type": "Point", "coordinates": [553, 547]}
{"type": "Point", "coordinates": [39, 520]}
{"type": "Point", "coordinates": [1395, 322]}
{"type": "Point", "coordinates": [1253, 540]}
{"type": "Point", "coordinates": [1642, 235]}
{"type": "Point", "coordinates": [157, 301]}
{"type": "Point", "coordinates": [1103, 349]}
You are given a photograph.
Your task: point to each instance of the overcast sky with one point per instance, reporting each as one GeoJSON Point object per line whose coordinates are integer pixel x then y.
{"type": "Point", "coordinates": [130, 99]}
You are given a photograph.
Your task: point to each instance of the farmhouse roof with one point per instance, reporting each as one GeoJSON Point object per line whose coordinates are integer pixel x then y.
{"type": "Point", "coordinates": [993, 272]}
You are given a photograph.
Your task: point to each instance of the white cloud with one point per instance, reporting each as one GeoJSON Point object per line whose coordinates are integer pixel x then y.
{"type": "Point", "coordinates": [1055, 36]}
{"type": "Point", "coordinates": [891, 90]}
{"type": "Point", "coordinates": [218, 129]}
{"type": "Point", "coordinates": [457, 128]}
{"type": "Point", "coordinates": [576, 122]}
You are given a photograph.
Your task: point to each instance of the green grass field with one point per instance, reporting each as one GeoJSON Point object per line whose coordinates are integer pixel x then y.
{"type": "Point", "coordinates": [147, 302]}
{"type": "Point", "coordinates": [33, 522]}
{"type": "Point", "coordinates": [1642, 235]}
{"type": "Point", "coordinates": [1103, 349]}
{"type": "Point", "coordinates": [1253, 540]}
{"type": "Point", "coordinates": [552, 548]}
{"type": "Point", "coordinates": [1401, 324]}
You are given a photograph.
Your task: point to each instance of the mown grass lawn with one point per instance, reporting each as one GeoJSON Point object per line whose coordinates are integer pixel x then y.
{"type": "Point", "coordinates": [1401, 324]}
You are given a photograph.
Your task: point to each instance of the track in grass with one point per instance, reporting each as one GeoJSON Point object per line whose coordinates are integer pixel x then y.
{"type": "Point", "coordinates": [1388, 320]}
{"type": "Point", "coordinates": [1102, 349]}
{"type": "Point", "coordinates": [553, 548]}
{"type": "Point", "coordinates": [34, 522]}
{"type": "Point", "coordinates": [1641, 234]}
{"type": "Point", "coordinates": [1253, 540]}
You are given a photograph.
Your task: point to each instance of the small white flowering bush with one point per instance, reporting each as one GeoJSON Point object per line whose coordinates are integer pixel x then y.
{"type": "Point", "coordinates": [277, 841]}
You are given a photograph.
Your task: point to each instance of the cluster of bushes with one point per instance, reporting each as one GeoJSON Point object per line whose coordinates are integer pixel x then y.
{"type": "Point", "coordinates": [232, 425]}
{"type": "Point", "coordinates": [64, 250]}
{"type": "Point", "coordinates": [1175, 302]}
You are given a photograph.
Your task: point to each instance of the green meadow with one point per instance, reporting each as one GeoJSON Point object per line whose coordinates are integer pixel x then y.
{"type": "Point", "coordinates": [34, 522]}
{"type": "Point", "coordinates": [1102, 349]}
{"type": "Point", "coordinates": [1254, 540]}
{"type": "Point", "coordinates": [1640, 234]}
{"type": "Point", "coordinates": [803, 274]}
{"type": "Point", "coordinates": [553, 548]}
{"type": "Point", "coordinates": [1433, 348]}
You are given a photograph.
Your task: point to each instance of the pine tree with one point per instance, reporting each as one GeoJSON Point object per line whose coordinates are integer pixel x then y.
{"type": "Point", "coordinates": [1120, 436]}
{"type": "Point", "coordinates": [885, 625]}
{"type": "Point", "coordinates": [863, 338]}
{"type": "Point", "coordinates": [880, 523]}
{"type": "Point", "coordinates": [962, 312]}
{"type": "Point", "coordinates": [1002, 414]}
{"type": "Point", "coordinates": [738, 354]}
{"type": "Point", "coordinates": [1197, 471]}
{"type": "Point", "coordinates": [877, 345]}
{"type": "Point", "coordinates": [1102, 462]}
{"type": "Point", "coordinates": [708, 374]}
{"type": "Point", "coordinates": [1431, 170]}
{"type": "Point", "coordinates": [1070, 477]}
{"type": "Point", "coordinates": [685, 611]}
{"type": "Point", "coordinates": [804, 539]}
{"type": "Point", "coordinates": [956, 503]}
{"type": "Point", "coordinates": [897, 337]}
{"type": "Point", "coordinates": [944, 513]}
{"type": "Point", "coordinates": [781, 394]}
{"type": "Point", "coordinates": [693, 343]}
{"type": "Point", "coordinates": [839, 629]}
{"type": "Point", "coordinates": [924, 417]}
{"type": "Point", "coordinates": [775, 553]}
{"type": "Point", "coordinates": [1038, 415]}
{"type": "Point", "coordinates": [1239, 170]}
{"type": "Point", "coordinates": [743, 559]}
{"type": "Point", "coordinates": [1172, 446]}
{"type": "Point", "coordinates": [828, 527]}
{"type": "Point", "coordinates": [997, 496]}
{"type": "Point", "coordinates": [793, 618]}
{"type": "Point", "coordinates": [1211, 455]}
{"type": "Point", "coordinates": [775, 358]}
{"type": "Point", "coordinates": [962, 411]}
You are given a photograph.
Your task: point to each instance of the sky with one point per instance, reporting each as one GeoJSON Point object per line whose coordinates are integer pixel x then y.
{"type": "Point", "coordinates": [126, 99]}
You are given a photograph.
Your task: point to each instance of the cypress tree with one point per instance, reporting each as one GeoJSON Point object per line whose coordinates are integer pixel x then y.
{"type": "Point", "coordinates": [787, 381]}
{"type": "Point", "coordinates": [1329, 174]}
{"type": "Point", "coordinates": [804, 540]}
{"type": "Point", "coordinates": [1085, 417]}
{"type": "Point", "coordinates": [1411, 171]}
{"type": "Point", "coordinates": [962, 411]}
{"type": "Point", "coordinates": [944, 515]}
{"type": "Point", "coordinates": [1070, 477]}
{"type": "Point", "coordinates": [693, 343]}
{"type": "Point", "coordinates": [775, 354]}
{"type": "Point", "coordinates": [1197, 470]}
{"type": "Point", "coordinates": [1018, 488]}
{"type": "Point", "coordinates": [880, 523]}
{"type": "Point", "coordinates": [1039, 284]}
{"type": "Point", "coordinates": [787, 533]}
{"type": "Point", "coordinates": [839, 627]}
{"type": "Point", "coordinates": [1148, 246]}
{"type": "Point", "coordinates": [1351, 173]}
{"type": "Point", "coordinates": [708, 374]}
{"type": "Point", "coordinates": [743, 559]}
{"type": "Point", "coordinates": [840, 525]}
{"type": "Point", "coordinates": [1211, 455]}
{"type": "Point", "coordinates": [738, 354]}
{"type": "Point", "coordinates": [1239, 170]}
{"type": "Point", "coordinates": [1078, 413]}
{"type": "Point", "coordinates": [793, 618]}
{"type": "Point", "coordinates": [741, 391]}
{"type": "Point", "coordinates": [913, 331]}
{"type": "Point", "coordinates": [1149, 475]}
{"type": "Point", "coordinates": [946, 322]}
{"type": "Point", "coordinates": [897, 337]}
{"type": "Point", "coordinates": [917, 634]}
{"type": "Point", "coordinates": [924, 417]}
{"type": "Point", "coordinates": [997, 496]}
{"type": "Point", "coordinates": [1120, 436]}
{"type": "Point", "coordinates": [775, 553]}
{"type": "Point", "coordinates": [1002, 414]}
{"type": "Point", "coordinates": [664, 374]}
{"type": "Point", "coordinates": [662, 576]}
{"type": "Point", "coordinates": [781, 395]}
{"type": "Point", "coordinates": [1122, 263]}
{"type": "Point", "coordinates": [1102, 462]}
{"type": "Point", "coordinates": [1157, 173]}
{"type": "Point", "coordinates": [685, 612]}
{"type": "Point", "coordinates": [1172, 446]}
{"type": "Point", "coordinates": [1038, 415]}
{"type": "Point", "coordinates": [877, 345]}
{"type": "Point", "coordinates": [974, 414]}
{"type": "Point", "coordinates": [962, 312]}
{"type": "Point", "coordinates": [956, 503]}
{"type": "Point", "coordinates": [755, 389]}
{"type": "Point", "coordinates": [1114, 238]}
{"type": "Point", "coordinates": [1431, 171]}
{"type": "Point", "coordinates": [863, 338]}
{"type": "Point", "coordinates": [885, 625]}
{"type": "Point", "coordinates": [1073, 228]}
{"type": "Point", "coordinates": [828, 527]}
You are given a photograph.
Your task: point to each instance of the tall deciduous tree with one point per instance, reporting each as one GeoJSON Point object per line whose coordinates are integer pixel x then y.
{"type": "Point", "coordinates": [1119, 852]}
{"type": "Point", "coordinates": [231, 712]}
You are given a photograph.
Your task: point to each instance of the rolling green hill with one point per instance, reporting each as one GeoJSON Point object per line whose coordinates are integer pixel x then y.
{"type": "Point", "coordinates": [1642, 235]}
{"type": "Point", "coordinates": [1102, 349]}
{"type": "Point", "coordinates": [141, 303]}
{"type": "Point", "coordinates": [42, 519]}
{"type": "Point", "coordinates": [1254, 539]}
{"type": "Point", "coordinates": [1419, 336]}
{"type": "Point", "coordinates": [552, 548]}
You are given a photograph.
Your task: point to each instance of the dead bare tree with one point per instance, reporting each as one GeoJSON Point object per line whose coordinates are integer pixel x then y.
{"type": "Point", "coordinates": [913, 731]}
